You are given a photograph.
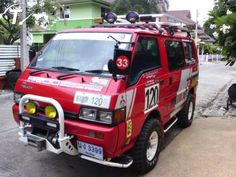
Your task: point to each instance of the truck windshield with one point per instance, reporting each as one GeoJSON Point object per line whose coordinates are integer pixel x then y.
{"type": "Point", "coordinates": [80, 51]}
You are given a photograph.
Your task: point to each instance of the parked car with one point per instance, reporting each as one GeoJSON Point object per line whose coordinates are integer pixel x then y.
{"type": "Point", "coordinates": [109, 93]}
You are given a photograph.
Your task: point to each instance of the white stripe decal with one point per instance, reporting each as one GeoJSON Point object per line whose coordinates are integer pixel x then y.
{"type": "Point", "coordinates": [129, 96]}
{"type": "Point", "coordinates": [184, 80]}
{"type": "Point", "coordinates": [132, 103]}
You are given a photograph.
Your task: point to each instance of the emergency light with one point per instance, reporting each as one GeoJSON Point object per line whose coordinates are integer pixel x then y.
{"type": "Point", "coordinates": [111, 17]}
{"type": "Point", "coordinates": [132, 17]}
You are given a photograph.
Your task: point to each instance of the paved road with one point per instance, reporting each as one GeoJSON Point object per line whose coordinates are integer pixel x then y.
{"type": "Point", "coordinates": [206, 149]}
{"type": "Point", "coordinates": [214, 78]}
{"type": "Point", "coordinates": [19, 160]}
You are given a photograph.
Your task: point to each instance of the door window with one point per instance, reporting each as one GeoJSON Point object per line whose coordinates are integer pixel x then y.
{"type": "Point", "coordinates": [146, 57]}
{"type": "Point", "coordinates": [175, 54]}
{"type": "Point", "coordinates": [189, 53]}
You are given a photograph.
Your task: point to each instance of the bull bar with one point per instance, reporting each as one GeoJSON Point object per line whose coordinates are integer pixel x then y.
{"type": "Point", "coordinates": [64, 141]}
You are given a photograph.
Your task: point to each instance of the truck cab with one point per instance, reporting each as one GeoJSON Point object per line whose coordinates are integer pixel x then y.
{"type": "Point", "coordinates": [108, 94]}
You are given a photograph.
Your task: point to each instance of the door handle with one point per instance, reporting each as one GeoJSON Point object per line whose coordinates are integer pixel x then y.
{"type": "Point", "coordinates": [161, 81]}
{"type": "Point", "coordinates": [170, 80]}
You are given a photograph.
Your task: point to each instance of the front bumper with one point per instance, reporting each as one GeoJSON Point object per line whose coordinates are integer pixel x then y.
{"type": "Point", "coordinates": [80, 130]}
{"type": "Point", "coordinates": [65, 144]}
{"type": "Point", "coordinates": [77, 130]}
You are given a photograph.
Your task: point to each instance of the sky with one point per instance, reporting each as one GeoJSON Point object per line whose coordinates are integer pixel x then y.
{"type": "Point", "coordinates": [203, 7]}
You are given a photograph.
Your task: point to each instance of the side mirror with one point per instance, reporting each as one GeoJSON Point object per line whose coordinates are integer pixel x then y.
{"type": "Point", "coordinates": [121, 62]}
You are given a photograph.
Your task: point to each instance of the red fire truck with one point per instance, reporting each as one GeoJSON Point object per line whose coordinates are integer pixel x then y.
{"type": "Point", "coordinates": [109, 93]}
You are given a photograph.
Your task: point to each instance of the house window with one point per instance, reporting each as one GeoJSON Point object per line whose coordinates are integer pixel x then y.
{"type": "Point", "coordinates": [65, 13]}
{"type": "Point", "coordinates": [104, 11]}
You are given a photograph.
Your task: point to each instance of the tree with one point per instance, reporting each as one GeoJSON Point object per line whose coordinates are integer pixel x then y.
{"type": "Point", "coordinates": [222, 26]}
{"type": "Point", "coordinates": [141, 6]}
{"type": "Point", "coordinates": [9, 33]}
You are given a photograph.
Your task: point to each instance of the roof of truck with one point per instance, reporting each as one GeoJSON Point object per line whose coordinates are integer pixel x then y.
{"type": "Point", "coordinates": [120, 30]}
{"type": "Point", "coordinates": [124, 30]}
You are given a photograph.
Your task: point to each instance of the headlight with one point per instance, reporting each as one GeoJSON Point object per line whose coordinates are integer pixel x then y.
{"type": "Point", "coordinates": [17, 97]}
{"type": "Point", "coordinates": [50, 112]}
{"type": "Point", "coordinates": [105, 117]}
{"type": "Point", "coordinates": [31, 107]}
{"type": "Point", "coordinates": [88, 113]}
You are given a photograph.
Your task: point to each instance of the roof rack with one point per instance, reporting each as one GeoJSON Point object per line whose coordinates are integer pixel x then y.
{"type": "Point", "coordinates": [150, 26]}
{"type": "Point", "coordinates": [145, 22]}
{"type": "Point", "coordinates": [172, 30]}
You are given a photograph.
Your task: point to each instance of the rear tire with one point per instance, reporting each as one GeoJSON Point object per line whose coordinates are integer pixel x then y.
{"type": "Point", "coordinates": [185, 116]}
{"type": "Point", "coordinates": [148, 145]}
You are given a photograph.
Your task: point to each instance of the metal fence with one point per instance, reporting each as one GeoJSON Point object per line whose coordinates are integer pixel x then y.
{"type": "Point", "coordinates": [8, 54]}
{"type": "Point", "coordinates": [210, 57]}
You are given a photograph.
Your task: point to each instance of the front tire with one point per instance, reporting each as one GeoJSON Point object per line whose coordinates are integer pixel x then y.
{"type": "Point", "coordinates": [185, 116]}
{"type": "Point", "coordinates": [148, 145]}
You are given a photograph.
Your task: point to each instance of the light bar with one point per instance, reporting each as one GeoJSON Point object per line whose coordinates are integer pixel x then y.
{"type": "Point", "coordinates": [111, 17]}
{"type": "Point", "coordinates": [132, 17]}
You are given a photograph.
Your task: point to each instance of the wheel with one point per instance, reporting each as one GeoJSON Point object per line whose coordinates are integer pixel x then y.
{"type": "Point", "coordinates": [148, 145]}
{"type": "Point", "coordinates": [185, 116]}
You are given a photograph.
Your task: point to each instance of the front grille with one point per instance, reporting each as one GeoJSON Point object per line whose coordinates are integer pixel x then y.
{"type": "Point", "coordinates": [69, 115]}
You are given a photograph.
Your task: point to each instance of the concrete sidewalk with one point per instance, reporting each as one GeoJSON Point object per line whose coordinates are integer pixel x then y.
{"type": "Point", "coordinates": [206, 149]}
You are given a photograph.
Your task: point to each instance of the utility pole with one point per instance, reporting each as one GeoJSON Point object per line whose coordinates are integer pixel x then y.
{"type": "Point", "coordinates": [23, 37]}
{"type": "Point", "coordinates": [196, 32]}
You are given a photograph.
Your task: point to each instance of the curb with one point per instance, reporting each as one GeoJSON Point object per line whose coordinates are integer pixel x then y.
{"type": "Point", "coordinates": [6, 96]}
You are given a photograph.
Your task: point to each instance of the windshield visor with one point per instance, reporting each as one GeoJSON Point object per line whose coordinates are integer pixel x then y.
{"type": "Point", "coordinates": [82, 51]}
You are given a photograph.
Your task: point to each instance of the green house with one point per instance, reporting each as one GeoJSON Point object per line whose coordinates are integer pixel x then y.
{"type": "Point", "coordinates": [72, 14]}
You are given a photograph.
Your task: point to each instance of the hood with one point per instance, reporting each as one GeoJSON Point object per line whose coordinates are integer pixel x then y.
{"type": "Point", "coordinates": [65, 91]}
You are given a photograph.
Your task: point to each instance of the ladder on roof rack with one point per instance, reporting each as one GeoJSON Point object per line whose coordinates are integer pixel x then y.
{"type": "Point", "coordinates": [150, 26]}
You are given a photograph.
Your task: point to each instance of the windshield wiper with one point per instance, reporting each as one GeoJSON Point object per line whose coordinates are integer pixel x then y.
{"type": "Point", "coordinates": [65, 75]}
{"type": "Point", "coordinates": [65, 68]}
{"type": "Point", "coordinates": [37, 71]}
{"type": "Point", "coordinates": [97, 71]}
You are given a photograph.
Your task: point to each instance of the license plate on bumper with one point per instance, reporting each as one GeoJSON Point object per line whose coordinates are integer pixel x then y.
{"type": "Point", "coordinates": [90, 150]}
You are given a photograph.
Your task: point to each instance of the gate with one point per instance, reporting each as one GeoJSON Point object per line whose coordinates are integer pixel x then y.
{"type": "Point", "coordinates": [8, 54]}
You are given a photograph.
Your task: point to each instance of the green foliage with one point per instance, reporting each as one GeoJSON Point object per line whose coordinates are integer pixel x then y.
{"type": "Point", "coordinates": [209, 48]}
{"type": "Point", "coordinates": [141, 6]}
{"type": "Point", "coordinates": [222, 26]}
{"type": "Point", "coordinates": [10, 33]}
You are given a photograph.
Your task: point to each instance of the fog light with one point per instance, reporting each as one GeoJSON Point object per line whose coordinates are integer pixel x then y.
{"type": "Point", "coordinates": [50, 112]}
{"type": "Point", "coordinates": [111, 17]}
{"type": "Point", "coordinates": [31, 107]}
{"type": "Point", "coordinates": [132, 17]}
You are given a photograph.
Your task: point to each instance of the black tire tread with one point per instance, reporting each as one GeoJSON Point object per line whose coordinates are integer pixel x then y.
{"type": "Point", "coordinates": [139, 151]}
{"type": "Point", "coordinates": [183, 121]}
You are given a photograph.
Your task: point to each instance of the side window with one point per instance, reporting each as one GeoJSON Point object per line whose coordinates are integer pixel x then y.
{"type": "Point", "coordinates": [175, 54]}
{"type": "Point", "coordinates": [146, 57]}
{"type": "Point", "coordinates": [189, 53]}
{"type": "Point", "coordinates": [65, 13]}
